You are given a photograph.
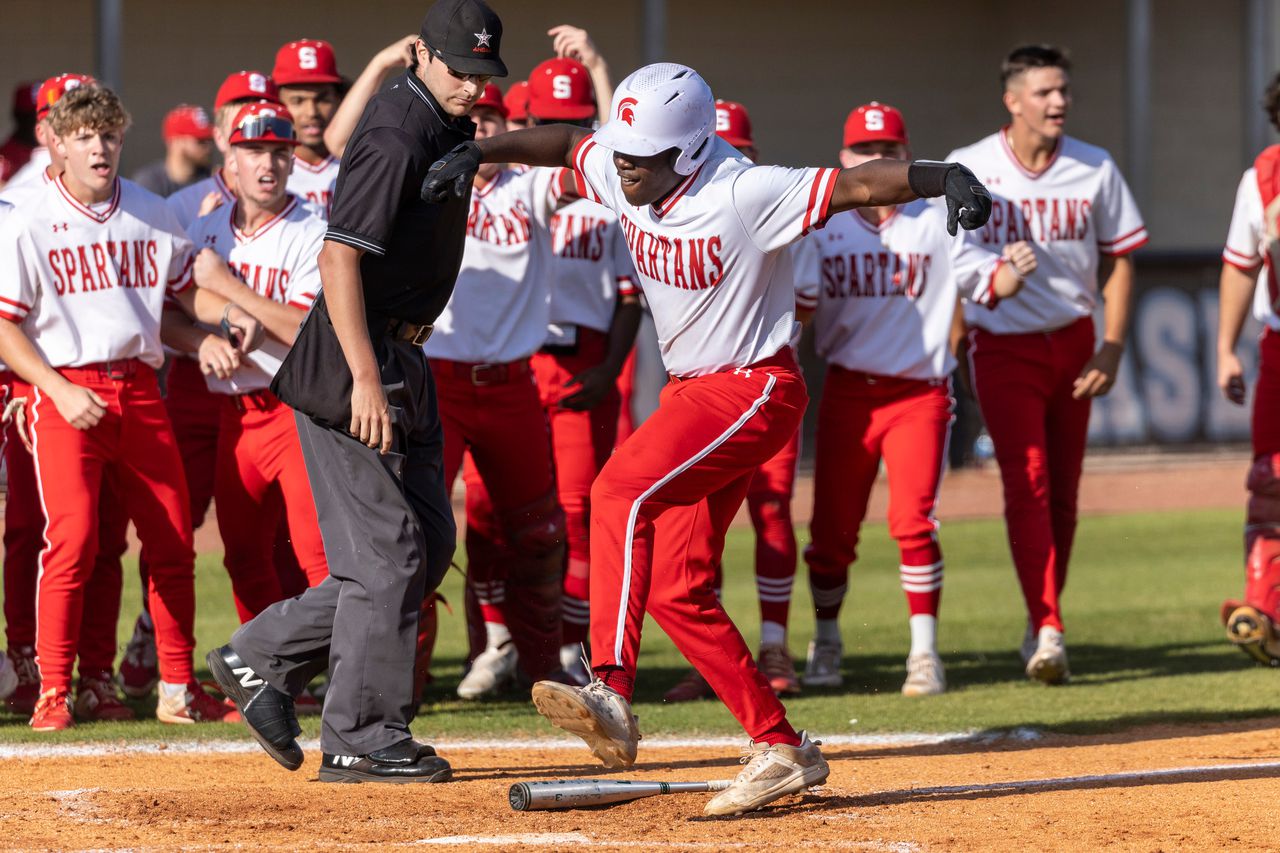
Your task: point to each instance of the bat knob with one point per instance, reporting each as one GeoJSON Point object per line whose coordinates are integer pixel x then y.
{"type": "Point", "coordinates": [519, 795]}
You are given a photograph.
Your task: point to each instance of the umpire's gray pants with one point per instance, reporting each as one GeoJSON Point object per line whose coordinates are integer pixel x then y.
{"type": "Point", "coordinates": [389, 536]}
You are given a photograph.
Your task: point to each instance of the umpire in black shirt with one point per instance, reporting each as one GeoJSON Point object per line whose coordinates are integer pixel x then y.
{"type": "Point", "coordinates": [369, 427]}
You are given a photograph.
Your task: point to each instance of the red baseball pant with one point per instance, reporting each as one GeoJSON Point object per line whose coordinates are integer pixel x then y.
{"type": "Point", "coordinates": [260, 475]}
{"type": "Point", "coordinates": [863, 419]}
{"type": "Point", "coordinates": [515, 537]}
{"type": "Point", "coordinates": [660, 510]}
{"type": "Point", "coordinates": [626, 391]}
{"type": "Point", "coordinates": [581, 443]}
{"type": "Point", "coordinates": [1024, 384]}
{"type": "Point", "coordinates": [24, 539]}
{"type": "Point", "coordinates": [135, 442]}
{"type": "Point", "coordinates": [769, 503]}
{"type": "Point", "coordinates": [1266, 399]}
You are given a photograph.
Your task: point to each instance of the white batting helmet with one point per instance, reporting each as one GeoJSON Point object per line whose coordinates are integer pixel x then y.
{"type": "Point", "coordinates": [659, 107]}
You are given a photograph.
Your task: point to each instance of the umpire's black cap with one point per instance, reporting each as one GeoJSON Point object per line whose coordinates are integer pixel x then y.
{"type": "Point", "coordinates": [466, 36]}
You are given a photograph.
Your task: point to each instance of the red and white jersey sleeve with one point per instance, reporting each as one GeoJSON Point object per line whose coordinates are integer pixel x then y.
{"type": "Point", "coordinates": [589, 266]}
{"type": "Point", "coordinates": [708, 257]}
{"type": "Point", "coordinates": [185, 203]}
{"type": "Point", "coordinates": [1245, 248]}
{"type": "Point", "coordinates": [500, 307]}
{"type": "Point", "coordinates": [279, 261]}
{"type": "Point", "coordinates": [886, 293]}
{"type": "Point", "coordinates": [315, 183]}
{"type": "Point", "coordinates": [88, 283]}
{"type": "Point", "coordinates": [33, 170]}
{"type": "Point", "coordinates": [1073, 211]}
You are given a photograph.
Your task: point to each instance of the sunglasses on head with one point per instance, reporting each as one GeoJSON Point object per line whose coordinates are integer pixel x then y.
{"type": "Point", "coordinates": [262, 126]}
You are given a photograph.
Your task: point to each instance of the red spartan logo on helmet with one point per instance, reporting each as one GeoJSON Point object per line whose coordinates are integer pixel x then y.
{"type": "Point", "coordinates": [626, 115]}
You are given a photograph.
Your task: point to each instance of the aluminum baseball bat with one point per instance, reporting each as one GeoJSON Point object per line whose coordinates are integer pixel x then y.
{"type": "Point", "coordinates": [576, 793]}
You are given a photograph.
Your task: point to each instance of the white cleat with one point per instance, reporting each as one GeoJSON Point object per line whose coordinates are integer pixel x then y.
{"type": "Point", "coordinates": [822, 668]}
{"type": "Point", "coordinates": [925, 675]}
{"type": "Point", "coordinates": [574, 664]}
{"type": "Point", "coordinates": [772, 772]}
{"type": "Point", "coordinates": [490, 673]}
{"type": "Point", "coordinates": [1049, 663]}
{"type": "Point", "coordinates": [598, 715]}
{"type": "Point", "coordinates": [8, 677]}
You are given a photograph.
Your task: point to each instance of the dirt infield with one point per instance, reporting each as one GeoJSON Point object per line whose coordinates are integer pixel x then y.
{"type": "Point", "coordinates": [1145, 789]}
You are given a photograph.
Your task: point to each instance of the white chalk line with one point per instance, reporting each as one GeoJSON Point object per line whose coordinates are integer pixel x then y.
{"type": "Point", "coordinates": [570, 839]}
{"type": "Point", "coordinates": [38, 751]}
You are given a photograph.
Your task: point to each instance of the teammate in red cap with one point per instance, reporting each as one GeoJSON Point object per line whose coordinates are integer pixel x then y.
{"type": "Point", "coordinates": [480, 352]}
{"type": "Point", "coordinates": [188, 151]}
{"type": "Point", "coordinates": [884, 282]}
{"type": "Point", "coordinates": [97, 253]}
{"type": "Point", "coordinates": [259, 253]}
{"type": "Point", "coordinates": [194, 411]}
{"type": "Point", "coordinates": [310, 86]}
{"type": "Point", "coordinates": [517, 102]}
{"type": "Point", "coordinates": [46, 96]}
{"type": "Point", "coordinates": [16, 150]}
{"type": "Point", "coordinates": [769, 506]}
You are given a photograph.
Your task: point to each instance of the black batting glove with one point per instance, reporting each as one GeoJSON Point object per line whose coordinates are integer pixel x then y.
{"type": "Point", "coordinates": [968, 202]}
{"type": "Point", "coordinates": [452, 174]}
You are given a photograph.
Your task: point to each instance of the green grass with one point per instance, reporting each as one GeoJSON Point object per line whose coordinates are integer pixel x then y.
{"type": "Point", "coordinates": [1143, 635]}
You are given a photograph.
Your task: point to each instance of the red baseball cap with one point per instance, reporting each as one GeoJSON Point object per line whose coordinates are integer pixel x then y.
{"type": "Point", "coordinates": [187, 120]}
{"type": "Point", "coordinates": [306, 61]}
{"type": "Point", "coordinates": [24, 97]}
{"type": "Point", "coordinates": [52, 90]}
{"type": "Point", "coordinates": [733, 125]}
{"type": "Point", "coordinates": [263, 121]}
{"type": "Point", "coordinates": [491, 97]}
{"type": "Point", "coordinates": [874, 122]}
{"type": "Point", "coordinates": [246, 86]}
{"type": "Point", "coordinates": [517, 101]}
{"type": "Point", "coordinates": [561, 89]}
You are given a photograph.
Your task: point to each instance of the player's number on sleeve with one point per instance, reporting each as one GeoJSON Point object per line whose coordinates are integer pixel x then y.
{"type": "Point", "coordinates": [875, 120]}
{"type": "Point", "coordinates": [307, 58]}
{"type": "Point", "coordinates": [562, 87]}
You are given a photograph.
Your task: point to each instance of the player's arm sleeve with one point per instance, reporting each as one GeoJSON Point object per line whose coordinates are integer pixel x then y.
{"type": "Point", "coordinates": [1118, 221]}
{"type": "Point", "coordinates": [806, 261]}
{"type": "Point", "coordinates": [1244, 236]}
{"type": "Point", "coordinates": [18, 278]}
{"type": "Point", "coordinates": [377, 170]}
{"type": "Point", "coordinates": [778, 205]}
{"type": "Point", "coordinates": [591, 170]}
{"type": "Point", "coordinates": [624, 268]}
{"type": "Point", "coordinates": [181, 274]}
{"type": "Point", "coordinates": [973, 267]}
{"type": "Point", "coordinates": [304, 284]}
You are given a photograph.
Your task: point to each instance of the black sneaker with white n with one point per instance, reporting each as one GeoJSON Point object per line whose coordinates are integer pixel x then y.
{"type": "Point", "coordinates": [406, 761]}
{"type": "Point", "coordinates": [267, 711]}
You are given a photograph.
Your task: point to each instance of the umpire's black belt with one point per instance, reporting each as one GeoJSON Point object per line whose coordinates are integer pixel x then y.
{"type": "Point", "coordinates": [402, 330]}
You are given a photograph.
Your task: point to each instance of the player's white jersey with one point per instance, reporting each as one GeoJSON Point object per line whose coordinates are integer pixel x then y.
{"type": "Point", "coordinates": [708, 258]}
{"type": "Point", "coordinates": [1073, 210]}
{"type": "Point", "coordinates": [315, 183]}
{"type": "Point", "coordinates": [185, 203]}
{"type": "Point", "coordinates": [1246, 248]}
{"type": "Point", "coordinates": [885, 294]}
{"type": "Point", "coordinates": [88, 284]}
{"type": "Point", "coordinates": [279, 261]}
{"type": "Point", "coordinates": [590, 267]}
{"type": "Point", "coordinates": [33, 169]}
{"type": "Point", "coordinates": [16, 194]}
{"type": "Point", "coordinates": [500, 306]}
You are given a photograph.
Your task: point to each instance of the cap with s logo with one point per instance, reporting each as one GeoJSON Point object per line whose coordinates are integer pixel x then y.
{"type": "Point", "coordinates": [263, 121]}
{"type": "Point", "coordinates": [561, 89]}
{"type": "Point", "coordinates": [304, 62]}
{"type": "Point", "coordinates": [245, 86]}
{"type": "Point", "coordinates": [733, 125]}
{"type": "Point", "coordinates": [465, 35]}
{"type": "Point", "coordinates": [874, 122]}
{"type": "Point", "coordinates": [52, 90]}
{"type": "Point", "coordinates": [187, 120]}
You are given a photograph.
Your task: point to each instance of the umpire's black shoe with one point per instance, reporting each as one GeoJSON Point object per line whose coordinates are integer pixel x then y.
{"type": "Point", "coordinates": [268, 712]}
{"type": "Point", "coordinates": [406, 761]}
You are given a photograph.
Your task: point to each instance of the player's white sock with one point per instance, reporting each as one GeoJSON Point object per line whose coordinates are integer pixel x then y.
{"type": "Point", "coordinates": [496, 634]}
{"type": "Point", "coordinates": [828, 631]}
{"type": "Point", "coordinates": [924, 633]}
{"type": "Point", "coordinates": [173, 691]}
{"type": "Point", "coordinates": [773, 634]}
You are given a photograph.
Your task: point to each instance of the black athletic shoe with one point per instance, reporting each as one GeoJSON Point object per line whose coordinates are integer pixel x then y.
{"type": "Point", "coordinates": [268, 712]}
{"type": "Point", "coordinates": [407, 761]}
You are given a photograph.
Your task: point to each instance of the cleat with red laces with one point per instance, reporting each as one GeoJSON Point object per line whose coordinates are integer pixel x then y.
{"type": "Point", "coordinates": [192, 705]}
{"type": "Point", "coordinates": [97, 700]}
{"type": "Point", "coordinates": [52, 712]}
{"type": "Point", "coordinates": [779, 670]}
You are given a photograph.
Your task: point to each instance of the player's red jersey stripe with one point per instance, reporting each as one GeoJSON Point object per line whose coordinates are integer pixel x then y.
{"type": "Point", "coordinates": [1239, 261]}
{"type": "Point", "coordinates": [580, 152]}
{"type": "Point", "coordinates": [1124, 250]}
{"type": "Point", "coordinates": [21, 305]}
{"type": "Point", "coordinates": [1117, 241]}
{"type": "Point", "coordinates": [1013, 158]}
{"type": "Point", "coordinates": [824, 184]}
{"type": "Point", "coordinates": [85, 209]}
{"type": "Point", "coordinates": [242, 237]}
{"type": "Point", "coordinates": [12, 318]}
{"type": "Point", "coordinates": [670, 202]}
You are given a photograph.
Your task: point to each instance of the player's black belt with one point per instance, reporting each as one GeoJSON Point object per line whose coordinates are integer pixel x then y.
{"type": "Point", "coordinates": [402, 330]}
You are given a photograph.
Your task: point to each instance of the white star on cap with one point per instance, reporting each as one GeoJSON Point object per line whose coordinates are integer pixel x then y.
{"type": "Point", "coordinates": [482, 37]}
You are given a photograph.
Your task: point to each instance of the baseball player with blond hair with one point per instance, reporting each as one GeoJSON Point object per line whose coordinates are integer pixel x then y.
{"type": "Point", "coordinates": [705, 229]}
{"type": "Point", "coordinates": [84, 272]}
{"type": "Point", "coordinates": [883, 282]}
